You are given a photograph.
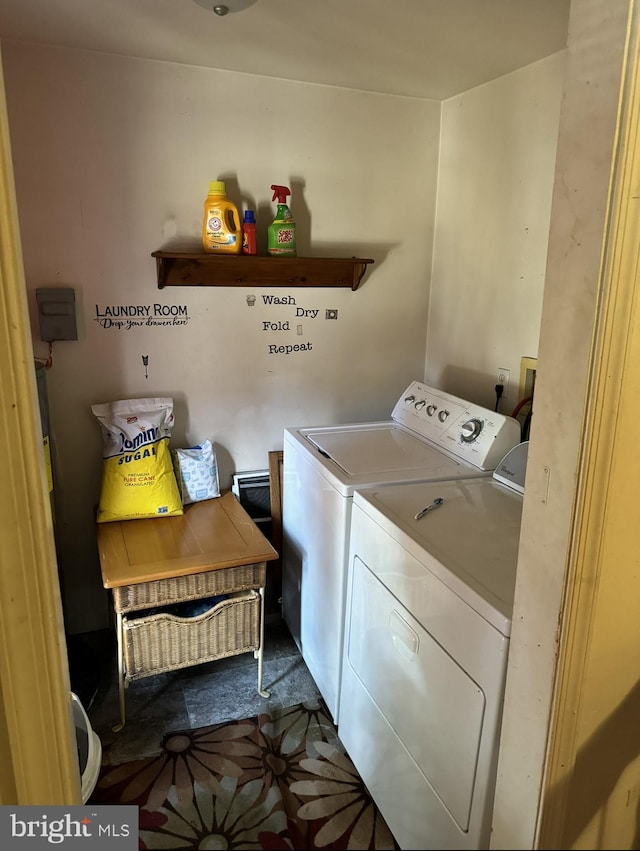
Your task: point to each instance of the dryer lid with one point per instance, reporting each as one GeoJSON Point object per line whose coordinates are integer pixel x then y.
{"type": "Point", "coordinates": [470, 542]}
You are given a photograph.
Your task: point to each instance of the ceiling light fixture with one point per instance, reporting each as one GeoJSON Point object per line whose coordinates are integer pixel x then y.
{"type": "Point", "coordinates": [225, 8]}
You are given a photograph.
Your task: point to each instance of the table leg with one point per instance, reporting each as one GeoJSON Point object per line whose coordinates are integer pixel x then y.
{"type": "Point", "coordinates": [120, 651]}
{"type": "Point", "coordinates": [261, 691]}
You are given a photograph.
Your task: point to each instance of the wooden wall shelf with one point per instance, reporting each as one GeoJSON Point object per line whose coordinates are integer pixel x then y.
{"type": "Point", "coordinates": [186, 269]}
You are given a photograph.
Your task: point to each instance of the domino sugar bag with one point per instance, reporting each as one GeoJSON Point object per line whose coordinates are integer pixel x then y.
{"type": "Point", "coordinates": [196, 470]}
{"type": "Point", "coordinates": [138, 479]}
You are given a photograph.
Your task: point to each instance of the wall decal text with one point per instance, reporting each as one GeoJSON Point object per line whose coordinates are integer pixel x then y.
{"type": "Point", "coordinates": [128, 316]}
{"type": "Point", "coordinates": [285, 325]}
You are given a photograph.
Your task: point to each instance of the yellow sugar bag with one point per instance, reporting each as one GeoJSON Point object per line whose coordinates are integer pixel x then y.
{"type": "Point", "coordinates": [138, 479]}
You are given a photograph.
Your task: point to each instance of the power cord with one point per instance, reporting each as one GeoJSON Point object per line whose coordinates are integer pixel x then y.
{"type": "Point", "coordinates": [499, 392]}
{"type": "Point", "coordinates": [525, 426]}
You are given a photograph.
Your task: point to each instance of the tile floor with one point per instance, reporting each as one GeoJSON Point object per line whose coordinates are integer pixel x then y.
{"type": "Point", "coordinates": [193, 697]}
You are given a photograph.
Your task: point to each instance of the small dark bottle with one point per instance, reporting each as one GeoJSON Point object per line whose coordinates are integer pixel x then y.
{"type": "Point", "coordinates": [249, 233]}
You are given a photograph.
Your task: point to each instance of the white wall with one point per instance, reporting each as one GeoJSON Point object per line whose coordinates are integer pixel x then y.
{"type": "Point", "coordinates": [112, 160]}
{"type": "Point", "coordinates": [497, 155]}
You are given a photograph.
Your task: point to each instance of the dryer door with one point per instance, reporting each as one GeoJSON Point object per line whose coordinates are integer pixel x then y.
{"type": "Point", "coordinates": [428, 710]}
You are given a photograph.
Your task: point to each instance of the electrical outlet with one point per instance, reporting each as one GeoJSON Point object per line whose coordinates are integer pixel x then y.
{"type": "Point", "coordinates": [503, 378]}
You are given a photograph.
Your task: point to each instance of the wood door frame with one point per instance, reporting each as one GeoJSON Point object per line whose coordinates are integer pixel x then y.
{"type": "Point", "coordinates": [38, 756]}
{"type": "Point", "coordinates": [592, 768]}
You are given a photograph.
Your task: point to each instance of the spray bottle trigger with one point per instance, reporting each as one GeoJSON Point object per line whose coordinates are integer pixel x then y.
{"type": "Point", "coordinates": [280, 193]}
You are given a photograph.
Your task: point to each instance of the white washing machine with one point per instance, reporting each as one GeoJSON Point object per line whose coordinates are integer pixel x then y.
{"type": "Point", "coordinates": [429, 607]}
{"type": "Point", "coordinates": [431, 436]}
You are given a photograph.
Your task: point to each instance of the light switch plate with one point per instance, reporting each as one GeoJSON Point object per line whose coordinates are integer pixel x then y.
{"type": "Point", "coordinates": [57, 313]}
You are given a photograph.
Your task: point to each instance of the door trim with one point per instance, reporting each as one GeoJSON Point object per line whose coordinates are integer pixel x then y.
{"type": "Point", "coordinates": [581, 797]}
{"type": "Point", "coordinates": [38, 757]}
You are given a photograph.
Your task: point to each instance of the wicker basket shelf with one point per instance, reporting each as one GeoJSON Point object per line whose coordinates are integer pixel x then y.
{"type": "Point", "coordinates": [159, 642]}
{"type": "Point", "coordinates": [193, 586]}
{"type": "Point", "coordinates": [164, 642]}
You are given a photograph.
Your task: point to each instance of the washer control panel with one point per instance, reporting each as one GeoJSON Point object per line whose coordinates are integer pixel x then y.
{"type": "Point", "coordinates": [465, 430]}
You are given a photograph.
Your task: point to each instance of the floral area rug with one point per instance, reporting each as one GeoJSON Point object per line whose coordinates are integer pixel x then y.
{"type": "Point", "coordinates": [276, 781]}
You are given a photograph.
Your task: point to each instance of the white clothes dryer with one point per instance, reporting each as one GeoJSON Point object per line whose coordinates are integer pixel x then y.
{"type": "Point", "coordinates": [431, 436]}
{"type": "Point", "coordinates": [429, 607]}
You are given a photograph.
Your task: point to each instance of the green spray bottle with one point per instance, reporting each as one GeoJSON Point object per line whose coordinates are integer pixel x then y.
{"type": "Point", "coordinates": [281, 234]}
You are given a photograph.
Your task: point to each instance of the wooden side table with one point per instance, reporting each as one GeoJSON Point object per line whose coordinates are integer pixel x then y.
{"type": "Point", "coordinates": [213, 550]}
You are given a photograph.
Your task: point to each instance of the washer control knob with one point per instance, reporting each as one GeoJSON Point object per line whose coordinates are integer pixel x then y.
{"type": "Point", "coordinates": [442, 416]}
{"type": "Point", "coordinates": [471, 430]}
{"type": "Point", "coordinates": [419, 405]}
{"type": "Point", "coordinates": [431, 409]}
{"type": "Point", "coordinates": [409, 399]}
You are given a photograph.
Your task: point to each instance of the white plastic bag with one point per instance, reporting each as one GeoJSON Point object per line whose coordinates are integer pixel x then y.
{"type": "Point", "coordinates": [196, 471]}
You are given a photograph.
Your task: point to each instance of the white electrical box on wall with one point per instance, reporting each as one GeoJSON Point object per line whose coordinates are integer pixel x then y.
{"type": "Point", "coordinates": [57, 313]}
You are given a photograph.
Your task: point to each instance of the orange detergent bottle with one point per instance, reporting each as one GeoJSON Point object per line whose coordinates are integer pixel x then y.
{"type": "Point", "coordinates": [221, 230]}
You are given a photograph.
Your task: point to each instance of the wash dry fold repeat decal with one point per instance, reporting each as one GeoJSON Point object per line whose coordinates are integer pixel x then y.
{"type": "Point", "coordinates": [285, 328]}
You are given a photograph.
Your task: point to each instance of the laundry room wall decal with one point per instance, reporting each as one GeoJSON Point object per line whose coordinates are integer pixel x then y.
{"type": "Point", "coordinates": [124, 317]}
